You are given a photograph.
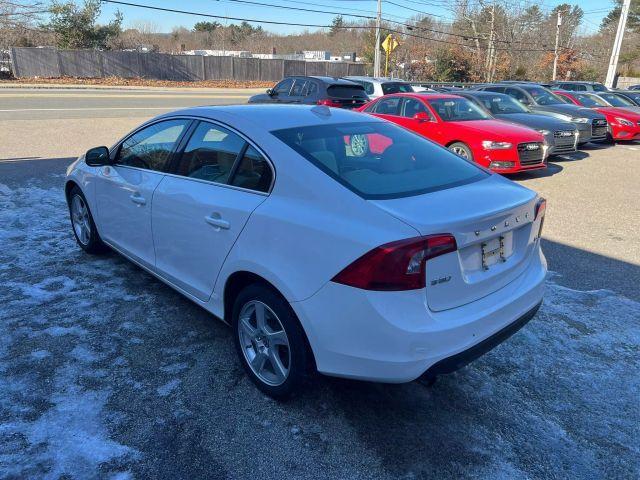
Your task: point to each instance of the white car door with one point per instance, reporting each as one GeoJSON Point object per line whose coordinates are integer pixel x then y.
{"type": "Point", "coordinates": [200, 208]}
{"type": "Point", "coordinates": [124, 190]}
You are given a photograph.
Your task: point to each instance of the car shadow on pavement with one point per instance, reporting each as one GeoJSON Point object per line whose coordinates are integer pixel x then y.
{"type": "Point", "coordinates": [551, 170]}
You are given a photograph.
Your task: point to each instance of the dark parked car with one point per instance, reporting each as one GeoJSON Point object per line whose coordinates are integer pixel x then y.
{"type": "Point", "coordinates": [561, 136]}
{"type": "Point", "coordinates": [579, 86]}
{"type": "Point", "coordinates": [592, 126]}
{"type": "Point", "coordinates": [329, 91]}
{"type": "Point", "coordinates": [634, 87]}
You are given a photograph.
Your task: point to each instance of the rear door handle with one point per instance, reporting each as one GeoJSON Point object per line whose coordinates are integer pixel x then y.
{"type": "Point", "coordinates": [217, 222]}
{"type": "Point", "coordinates": [138, 199]}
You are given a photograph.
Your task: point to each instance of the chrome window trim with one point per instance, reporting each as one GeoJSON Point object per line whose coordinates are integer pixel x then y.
{"type": "Point", "coordinates": [117, 145]}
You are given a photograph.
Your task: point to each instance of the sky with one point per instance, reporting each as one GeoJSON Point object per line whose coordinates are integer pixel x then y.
{"type": "Point", "coordinates": [595, 10]}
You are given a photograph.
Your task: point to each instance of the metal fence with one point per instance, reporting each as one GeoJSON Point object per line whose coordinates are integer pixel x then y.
{"type": "Point", "coordinates": [52, 63]}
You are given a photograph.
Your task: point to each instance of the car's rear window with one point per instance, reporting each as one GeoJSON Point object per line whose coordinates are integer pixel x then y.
{"type": "Point", "coordinates": [396, 87]}
{"type": "Point", "coordinates": [346, 91]}
{"type": "Point", "coordinates": [380, 160]}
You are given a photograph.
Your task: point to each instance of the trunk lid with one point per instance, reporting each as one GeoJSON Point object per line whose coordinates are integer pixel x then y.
{"type": "Point", "coordinates": [493, 223]}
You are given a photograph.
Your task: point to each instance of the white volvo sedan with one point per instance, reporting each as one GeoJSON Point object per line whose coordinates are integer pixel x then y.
{"type": "Point", "coordinates": [328, 240]}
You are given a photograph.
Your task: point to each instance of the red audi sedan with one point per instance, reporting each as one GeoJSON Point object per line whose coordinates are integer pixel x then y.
{"type": "Point", "coordinates": [465, 129]}
{"type": "Point", "coordinates": [624, 124]}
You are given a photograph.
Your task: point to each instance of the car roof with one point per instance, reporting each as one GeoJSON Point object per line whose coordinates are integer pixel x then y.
{"type": "Point", "coordinates": [273, 116]}
{"type": "Point", "coordinates": [325, 79]}
{"type": "Point", "coordinates": [375, 79]}
{"type": "Point", "coordinates": [480, 93]}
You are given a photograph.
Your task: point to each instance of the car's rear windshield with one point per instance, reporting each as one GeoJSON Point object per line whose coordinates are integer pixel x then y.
{"type": "Point", "coordinates": [380, 160]}
{"type": "Point", "coordinates": [346, 91]}
{"type": "Point", "coordinates": [457, 109]}
{"type": "Point", "coordinates": [396, 87]}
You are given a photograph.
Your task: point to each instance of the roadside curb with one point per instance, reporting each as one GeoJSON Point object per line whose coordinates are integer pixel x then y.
{"type": "Point", "coordinates": [128, 88]}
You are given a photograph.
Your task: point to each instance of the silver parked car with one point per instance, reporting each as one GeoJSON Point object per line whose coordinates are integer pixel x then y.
{"type": "Point", "coordinates": [376, 87]}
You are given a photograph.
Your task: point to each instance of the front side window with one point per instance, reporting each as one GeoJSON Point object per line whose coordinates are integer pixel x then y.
{"type": "Point", "coordinates": [284, 86]}
{"type": "Point", "coordinates": [598, 87]}
{"type": "Point", "coordinates": [388, 106]}
{"type": "Point", "coordinates": [457, 110]}
{"type": "Point", "coordinates": [298, 88]}
{"type": "Point", "coordinates": [151, 148]}
{"type": "Point", "coordinates": [380, 160]}
{"type": "Point", "coordinates": [519, 95]}
{"type": "Point", "coordinates": [210, 153]}
{"type": "Point", "coordinates": [412, 106]}
{"type": "Point", "coordinates": [253, 172]}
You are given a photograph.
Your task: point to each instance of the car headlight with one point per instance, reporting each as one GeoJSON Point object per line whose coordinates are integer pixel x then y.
{"type": "Point", "coordinates": [624, 121]}
{"type": "Point", "coordinates": [491, 145]}
{"type": "Point", "coordinates": [544, 132]}
{"type": "Point", "coordinates": [580, 120]}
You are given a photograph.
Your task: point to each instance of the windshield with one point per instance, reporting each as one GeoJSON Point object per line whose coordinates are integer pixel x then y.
{"type": "Point", "coordinates": [396, 87]}
{"type": "Point", "coordinates": [380, 160]}
{"type": "Point", "coordinates": [457, 109]}
{"type": "Point", "coordinates": [590, 100]}
{"type": "Point", "coordinates": [502, 104]}
{"type": "Point", "coordinates": [616, 100]}
{"type": "Point", "coordinates": [542, 96]}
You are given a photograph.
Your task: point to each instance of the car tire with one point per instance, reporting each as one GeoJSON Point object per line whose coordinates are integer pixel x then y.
{"type": "Point", "coordinates": [462, 150]}
{"type": "Point", "coordinates": [82, 224]}
{"type": "Point", "coordinates": [273, 351]}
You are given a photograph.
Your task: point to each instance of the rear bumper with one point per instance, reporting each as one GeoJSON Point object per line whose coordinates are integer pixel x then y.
{"type": "Point", "coordinates": [459, 360]}
{"type": "Point", "coordinates": [394, 337]}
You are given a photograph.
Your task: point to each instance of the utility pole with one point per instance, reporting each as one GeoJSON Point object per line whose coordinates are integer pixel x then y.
{"type": "Point", "coordinates": [555, 56]}
{"type": "Point", "coordinates": [490, 52]}
{"type": "Point", "coordinates": [376, 52]}
{"type": "Point", "coordinates": [617, 44]}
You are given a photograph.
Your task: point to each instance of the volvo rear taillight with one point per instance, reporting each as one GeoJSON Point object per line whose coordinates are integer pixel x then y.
{"type": "Point", "coordinates": [329, 102]}
{"type": "Point", "coordinates": [399, 265]}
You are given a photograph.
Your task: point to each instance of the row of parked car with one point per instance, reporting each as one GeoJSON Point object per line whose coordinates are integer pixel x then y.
{"type": "Point", "coordinates": [507, 127]}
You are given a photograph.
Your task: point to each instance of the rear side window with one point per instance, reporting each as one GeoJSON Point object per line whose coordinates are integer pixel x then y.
{"type": "Point", "coordinates": [598, 87]}
{"type": "Point", "coordinates": [311, 89]}
{"type": "Point", "coordinates": [380, 160]}
{"type": "Point", "coordinates": [396, 87]}
{"type": "Point", "coordinates": [210, 153]}
{"type": "Point", "coordinates": [346, 91]}
{"type": "Point", "coordinates": [253, 172]}
{"type": "Point", "coordinates": [298, 88]}
{"type": "Point", "coordinates": [151, 148]}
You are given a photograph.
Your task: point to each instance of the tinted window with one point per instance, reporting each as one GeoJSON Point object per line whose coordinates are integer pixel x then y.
{"type": "Point", "coordinates": [590, 100]}
{"type": "Point", "coordinates": [311, 88]}
{"type": "Point", "coordinates": [519, 95]}
{"type": "Point", "coordinates": [346, 91]}
{"type": "Point", "coordinates": [396, 87]}
{"type": "Point", "coordinates": [494, 89]}
{"type": "Point", "coordinates": [253, 172]}
{"type": "Point", "coordinates": [457, 109]}
{"type": "Point", "coordinates": [380, 160]}
{"type": "Point", "coordinates": [152, 146]}
{"type": "Point", "coordinates": [598, 87]}
{"type": "Point", "coordinates": [635, 96]}
{"type": "Point", "coordinates": [542, 96]}
{"type": "Point", "coordinates": [412, 106]}
{"type": "Point", "coordinates": [502, 104]}
{"type": "Point", "coordinates": [210, 153]}
{"type": "Point", "coordinates": [298, 88]}
{"type": "Point", "coordinates": [388, 106]}
{"type": "Point", "coordinates": [368, 87]}
{"type": "Point", "coordinates": [616, 100]}
{"type": "Point", "coordinates": [284, 86]}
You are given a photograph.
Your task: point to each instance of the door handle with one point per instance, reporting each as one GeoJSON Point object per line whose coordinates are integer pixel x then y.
{"type": "Point", "coordinates": [216, 221]}
{"type": "Point", "coordinates": [138, 199]}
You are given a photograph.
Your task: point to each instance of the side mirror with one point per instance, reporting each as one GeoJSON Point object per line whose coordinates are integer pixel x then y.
{"type": "Point", "coordinates": [97, 157]}
{"type": "Point", "coordinates": [271, 92]}
{"type": "Point", "coordinates": [422, 117]}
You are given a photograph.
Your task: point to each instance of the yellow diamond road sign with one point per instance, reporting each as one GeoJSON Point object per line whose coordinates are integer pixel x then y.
{"type": "Point", "coordinates": [390, 44]}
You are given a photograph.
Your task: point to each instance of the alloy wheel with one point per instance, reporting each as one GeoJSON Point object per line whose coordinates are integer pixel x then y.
{"type": "Point", "coordinates": [80, 219]}
{"type": "Point", "coordinates": [460, 151]}
{"type": "Point", "coordinates": [264, 343]}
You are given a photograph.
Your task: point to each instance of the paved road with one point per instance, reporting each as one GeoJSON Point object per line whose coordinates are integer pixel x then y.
{"type": "Point", "coordinates": [107, 373]}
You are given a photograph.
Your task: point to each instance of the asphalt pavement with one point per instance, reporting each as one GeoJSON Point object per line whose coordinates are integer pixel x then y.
{"type": "Point", "coordinates": [106, 372]}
